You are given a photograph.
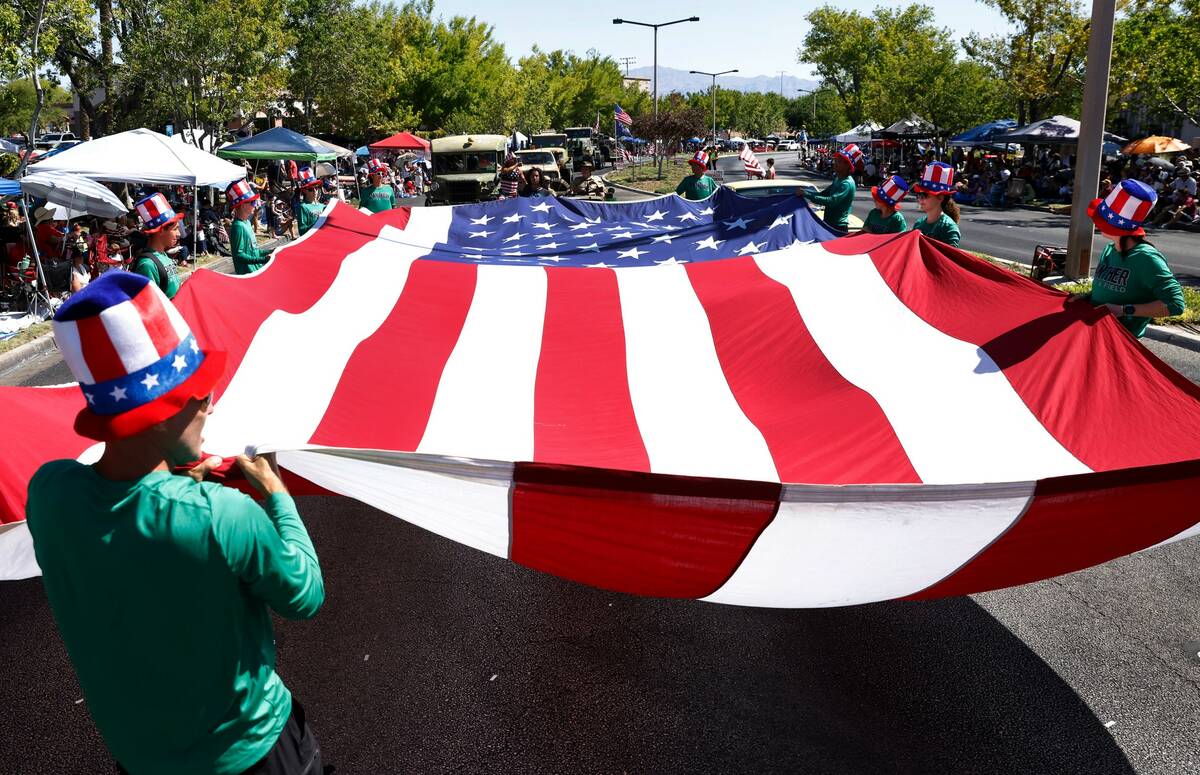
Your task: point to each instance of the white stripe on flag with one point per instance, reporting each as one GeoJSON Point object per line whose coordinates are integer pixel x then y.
{"type": "Point", "coordinates": [463, 501]}
{"type": "Point", "coordinates": [129, 336]}
{"type": "Point", "coordinates": [484, 402]}
{"type": "Point", "coordinates": [17, 560]}
{"type": "Point", "coordinates": [281, 391]}
{"type": "Point", "coordinates": [955, 413]}
{"type": "Point", "coordinates": [688, 418]}
{"type": "Point", "coordinates": [830, 546]}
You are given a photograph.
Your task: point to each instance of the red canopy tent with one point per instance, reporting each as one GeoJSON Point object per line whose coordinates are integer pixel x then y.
{"type": "Point", "coordinates": [401, 141]}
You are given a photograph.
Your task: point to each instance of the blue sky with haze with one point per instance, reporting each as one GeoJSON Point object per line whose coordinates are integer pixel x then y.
{"type": "Point", "coordinates": [771, 31]}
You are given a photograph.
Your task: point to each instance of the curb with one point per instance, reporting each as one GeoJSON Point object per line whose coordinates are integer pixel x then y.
{"type": "Point", "coordinates": [17, 356]}
{"type": "Point", "coordinates": [630, 189]}
{"type": "Point", "coordinates": [1168, 335]}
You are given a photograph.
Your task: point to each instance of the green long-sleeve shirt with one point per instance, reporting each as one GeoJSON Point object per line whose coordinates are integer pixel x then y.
{"type": "Point", "coordinates": [837, 200]}
{"type": "Point", "coordinates": [877, 224]}
{"type": "Point", "coordinates": [247, 255]}
{"type": "Point", "coordinates": [161, 588]}
{"type": "Point", "coordinates": [378, 198]}
{"type": "Point", "coordinates": [307, 215]}
{"type": "Point", "coordinates": [696, 187]}
{"type": "Point", "coordinates": [944, 229]}
{"type": "Point", "coordinates": [1136, 277]}
{"type": "Point", "coordinates": [146, 266]}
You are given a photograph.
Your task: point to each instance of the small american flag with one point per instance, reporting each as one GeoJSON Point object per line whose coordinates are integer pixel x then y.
{"type": "Point", "coordinates": [750, 162]}
{"type": "Point", "coordinates": [621, 116]}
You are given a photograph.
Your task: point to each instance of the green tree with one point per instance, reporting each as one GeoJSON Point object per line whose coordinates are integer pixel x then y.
{"type": "Point", "coordinates": [1041, 61]}
{"type": "Point", "coordinates": [843, 45]}
{"type": "Point", "coordinates": [828, 117]}
{"type": "Point", "coordinates": [18, 99]}
{"type": "Point", "coordinates": [1149, 71]}
{"type": "Point", "coordinates": [676, 121]}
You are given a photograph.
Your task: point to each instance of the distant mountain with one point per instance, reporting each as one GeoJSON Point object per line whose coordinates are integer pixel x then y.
{"type": "Point", "coordinates": [670, 79]}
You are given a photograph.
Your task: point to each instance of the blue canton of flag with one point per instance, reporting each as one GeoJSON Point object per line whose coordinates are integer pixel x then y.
{"type": "Point", "coordinates": [670, 230]}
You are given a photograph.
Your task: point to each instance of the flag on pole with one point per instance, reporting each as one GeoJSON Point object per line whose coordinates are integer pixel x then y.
{"type": "Point", "coordinates": [750, 162]}
{"type": "Point", "coordinates": [597, 127]}
{"type": "Point", "coordinates": [621, 116]}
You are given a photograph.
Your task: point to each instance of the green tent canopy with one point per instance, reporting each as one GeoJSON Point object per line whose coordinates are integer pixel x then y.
{"type": "Point", "coordinates": [278, 143]}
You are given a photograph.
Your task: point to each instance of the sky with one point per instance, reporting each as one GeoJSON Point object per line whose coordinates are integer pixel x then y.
{"type": "Point", "coordinates": [759, 37]}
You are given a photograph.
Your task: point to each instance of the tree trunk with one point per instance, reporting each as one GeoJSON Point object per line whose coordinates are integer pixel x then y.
{"type": "Point", "coordinates": [103, 117]}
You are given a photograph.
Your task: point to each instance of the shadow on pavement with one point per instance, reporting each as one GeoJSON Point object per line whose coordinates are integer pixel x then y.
{"type": "Point", "coordinates": [431, 657]}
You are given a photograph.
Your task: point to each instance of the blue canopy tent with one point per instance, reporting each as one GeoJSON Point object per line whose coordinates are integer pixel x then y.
{"type": "Point", "coordinates": [984, 134]}
{"type": "Point", "coordinates": [278, 143]}
{"type": "Point", "coordinates": [362, 151]}
{"type": "Point", "coordinates": [9, 187]}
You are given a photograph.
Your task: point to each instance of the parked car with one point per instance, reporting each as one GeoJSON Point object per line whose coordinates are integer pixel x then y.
{"type": "Point", "coordinates": [759, 188]}
{"type": "Point", "coordinates": [53, 140]}
{"type": "Point", "coordinates": [788, 145]}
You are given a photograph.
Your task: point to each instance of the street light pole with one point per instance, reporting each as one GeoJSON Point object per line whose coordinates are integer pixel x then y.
{"type": "Point", "coordinates": [1089, 151]}
{"type": "Point", "coordinates": [655, 96]}
{"type": "Point", "coordinates": [814, 96]}
{"type": "Point", "coordinates": [714, 93]}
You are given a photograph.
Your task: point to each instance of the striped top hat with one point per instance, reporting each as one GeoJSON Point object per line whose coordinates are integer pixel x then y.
{"type": "Point", "coordinates": [938, 178]}
{"type": "Point", "coordinates": [308, 179]}
{"type": "Point", "coordinates": [241, 192]}
{"type": "Point", "coordinates": [155, 213]}
{"type": "Point", "coordinates": [890, 191]}
{"type": "Point", "coordinates": [376, 167]}
{"type": "Point", "coordinates": [133, 354]}
{"type": "Point", "coordinates": [700, 158]}
{"type": "Point", "coordinates": [853, 154]}
{"type": "Point", "coordinates": [1124, 210]}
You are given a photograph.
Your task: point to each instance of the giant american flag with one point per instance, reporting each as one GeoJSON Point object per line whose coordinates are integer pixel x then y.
{"type": "Point", "coordinates": [720, 399]}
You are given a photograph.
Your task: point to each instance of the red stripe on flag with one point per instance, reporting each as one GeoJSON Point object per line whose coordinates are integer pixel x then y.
{"type": "Point", "coordinates": [1075, 522]}
{"type": "Point", "coordinates": [99, 353]}
{"type": "Point", "coordinates": [386, 391]}
{"type": "Point", "coordinates": [37, 426]}
{"type": "Point", "coordinates": [644, 534]}
{"type": "Point", "coordinates": [225, 312]}
{"type": "Point", "coordinates": [1031, 333]}
{"type": "Point", "coordinates": [158, 325]}
{"type": "Point", "coordinates": [818, 426]}
{"type": "Point", "coordinates": [583, 414]}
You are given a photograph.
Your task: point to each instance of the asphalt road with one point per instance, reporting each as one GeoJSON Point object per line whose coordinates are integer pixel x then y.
{"type": "Point", "coordinates": [1013, 233]}
{"type": "Point", "coordinates": [430, 657]}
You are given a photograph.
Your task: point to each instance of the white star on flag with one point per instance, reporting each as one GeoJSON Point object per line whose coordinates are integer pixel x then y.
{"type": "Point", "coordinates": [484, 233]}
{"type": "Point", "coordinates": [481, 220]}
{"type": "Point", "coordinates": [663, 238]}
{"type": "Point", "coordinates": [585, 234]}
{"type": "Point", "coordinates": [707, 211]}
{"type": "Point", "coordinates": [547, 235]}
{"type": "Point", "coordinates": [118, 393]}
{"type": "Point", "coordinates": [657, 215]}
{"type": "Point", "coordinates": [600, 265]}
{"type": "Point", "coordinates": [751, 247]}
{"type": "Point", "coordinates": [623, 235]}
{"type": "Point", "coordinates": [594, 247]}
{"type": "Point", "coordinates": [546, 225]}
{"type": "Point", "coordinates": [151, 381]}
{"type": "Point", "coordinates": [740, 223]}
{"type": "Point", "coordinates": [195, 347]}
{"type": "Point", "coordinates": [783, 220]}
{"type": "Point", "coordinates": [579, 226]}
{"type": "Point", "coordinates": [544, 207]}
{"type": "Point", "coordinates": [180, 363]}
{"type": "Point", "coordinates": [553, 258]}
{"type": "Point", "coordinates": [513, 218]}
{"type": "Point", "coordinates": [687, 217]}
{"type": "Point", "coordinates": [91, 399]}
{"type": "Point", "coordinates": [672, 261]}
{"type": "Point", "coordinates": [709, 243]}
{"type": "Point", "coordinates": [512, 252]}
{"type": "Point", "coordinates": [514, 237]}
{"type": "Point", "coordinates": [548, 246]}
{"type": "Point", "coordinates": [631, 253]}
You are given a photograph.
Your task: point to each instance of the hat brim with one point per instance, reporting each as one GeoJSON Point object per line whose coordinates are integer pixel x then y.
{"type": "Point", "coordinates": [178, 217]}
{"type": "Point", "coordinates": [246, 201]}
{"type": "Point", "coordinates": [1093, 211]}
{"type": "Point", "coordinates": [917, 187]}
{"type": "Point", "coordinates": [119, 426]}
{"type": "Point", "coordinates": [314, 184]}
{"type": "Point", "coordinates": [701, 164]}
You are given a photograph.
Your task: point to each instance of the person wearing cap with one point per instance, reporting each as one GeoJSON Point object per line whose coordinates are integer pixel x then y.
{"type": "Point", "coordinates": [838, 196]}
{"type": "Point", "coordinates": [310, 208]}
{"type": "Point", "coordinates": [161, 233]}
{"type": "Point", "coordinates": [247, 255]}
{"type": "Point", "coordinates": [378, 195]}
{"type": "Point", "coordinates": [885, 217]}
{"type": "Point", "coordinates": [698, 185]}
{"type": "Point", "coordinates": [935, 197]}
{"type": "Point", "coordinates": [586, 185]}
{"type": "Point", "coordinates": [162, 585]}
{"type": "Point", "coordinates": [1132, 279]}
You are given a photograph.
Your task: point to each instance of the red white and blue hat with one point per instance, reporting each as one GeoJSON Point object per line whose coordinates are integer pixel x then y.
{"type": "Point", "coordinates": [1124, 210]}
{"type": "Point", "coordinates": [700, 158]}
{"type": "Point", "coordinates": [851, 153]}
{"type": "Point", "coordinates": [133, 354]}
{"type": "Point", "coordinates": [308, 179]}
{"type": "Point", "coordinates": [890, 191]}
{"type": "Point", "coordinates": [241, 192]}
{"type": "Point", "coordinates": [155, 213]}
{"type": "Point", "coordinates": [938, 178]}
{"type": "Point", "coordinates": [375, 166]}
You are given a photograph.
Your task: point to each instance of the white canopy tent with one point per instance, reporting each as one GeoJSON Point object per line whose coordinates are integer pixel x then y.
{"type": "Point", "coordinates": [859, 134]}
{"type": "Point", "coordinates": [143, 156]}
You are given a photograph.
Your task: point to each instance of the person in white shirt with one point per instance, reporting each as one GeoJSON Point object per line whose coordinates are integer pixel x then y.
{"type": "Point", "coordinates": [1185, 180]}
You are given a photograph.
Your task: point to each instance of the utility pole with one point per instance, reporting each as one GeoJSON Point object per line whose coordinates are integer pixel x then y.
{"type": "Point", "coordinates": [1089, 152]}
{"type": "Point", "coordinates": [627, 61]}
{"type": "Point", "coordinates": [714, 94]}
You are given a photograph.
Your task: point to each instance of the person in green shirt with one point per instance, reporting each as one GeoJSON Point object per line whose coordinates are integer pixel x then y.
{"type": "Point", "coordinates": [1132, 279]}
{"type": "Point", "coordinates": [243, 245]}
{"type": "Point", "coordinates": [885, 217]}
{"type": "Point", "coordinates": [698, 185]}
{"type": "Point", "coordinates": [162, 585]}
{"type": "Point", "coordinates": [935, 197]}
{"type": "Point", "coordinates": [310, 208]}
{"type": "Point", "coordinates": [162, 235]}
{"type": "Point", "coordinates": [838, 197]}
{"type": "Point", "coordinates": [378, 194]}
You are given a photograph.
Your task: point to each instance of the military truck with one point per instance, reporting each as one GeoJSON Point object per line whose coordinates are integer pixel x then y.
{"type": "Point", "coordinates": [582, 146]}
{"type": "Point", "coordinates": [466, 168]}
{"type": "Point", "coordinates": [543, 159]}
